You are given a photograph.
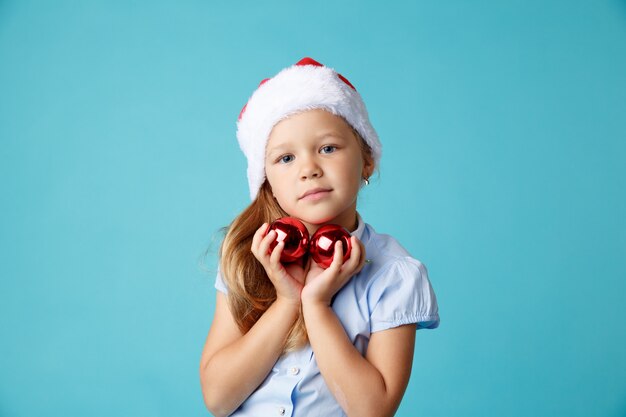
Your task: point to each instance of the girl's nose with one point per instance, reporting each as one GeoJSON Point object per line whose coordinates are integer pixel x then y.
{"type": "Point", "coordinates": [310, 169]}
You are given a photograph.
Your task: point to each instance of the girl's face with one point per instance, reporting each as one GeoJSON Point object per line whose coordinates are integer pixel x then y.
{"type": "Point", "coordinates": [314, 164]}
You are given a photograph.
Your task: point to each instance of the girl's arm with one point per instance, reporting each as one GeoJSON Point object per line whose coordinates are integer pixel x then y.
{"type": "Point", "coordinates": [363, 386]}
{"type": "Point", "coordinates": [234, 365]}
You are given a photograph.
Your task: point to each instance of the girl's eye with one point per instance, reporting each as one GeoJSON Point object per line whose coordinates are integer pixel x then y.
{"type": "Point", "coordinates": [286, 158]}
{"type": "Point", "coordinates": [329, 149]}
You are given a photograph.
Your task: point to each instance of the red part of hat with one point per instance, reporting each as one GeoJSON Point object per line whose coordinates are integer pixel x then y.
{"type": "Point", "coordinates": [308, 61]}
{"type": "Point", "coordinates": [304, 61]}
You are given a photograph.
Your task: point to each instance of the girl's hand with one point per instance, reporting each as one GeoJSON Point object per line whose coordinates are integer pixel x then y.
{"type": "Point", "coordinates": [288, 279]}
{"type": "Point", "coordinates": [322, 284]}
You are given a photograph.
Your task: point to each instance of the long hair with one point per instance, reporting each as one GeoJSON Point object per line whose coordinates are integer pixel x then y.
{"type": "Point", "coordinates": [250, 291]}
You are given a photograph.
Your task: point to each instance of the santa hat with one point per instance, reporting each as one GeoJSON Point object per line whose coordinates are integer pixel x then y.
{"type": "Point", "coordinates": [304, 86]}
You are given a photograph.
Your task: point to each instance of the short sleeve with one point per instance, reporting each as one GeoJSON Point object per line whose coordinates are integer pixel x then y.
{"type": "Point", "coordinates": [219, 283]}
{"type": "Point", "coordinates": [403, 294]}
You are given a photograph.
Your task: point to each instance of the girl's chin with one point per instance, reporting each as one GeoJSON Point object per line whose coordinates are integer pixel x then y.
{"type": "Point", "coordinates": [313, 224]}
{"type": "Point", "coordinates": [316, 218]}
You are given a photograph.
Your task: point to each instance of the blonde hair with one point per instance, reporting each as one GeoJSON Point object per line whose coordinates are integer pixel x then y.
{"type": "Point", "coordinates": [250, 291]}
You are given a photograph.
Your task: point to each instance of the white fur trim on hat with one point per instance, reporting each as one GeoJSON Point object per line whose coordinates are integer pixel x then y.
{"type": "Point", "coordinates": [303, 86]}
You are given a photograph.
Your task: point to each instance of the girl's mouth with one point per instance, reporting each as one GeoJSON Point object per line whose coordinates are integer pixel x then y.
{"type": "Point", "coordinates": [315, 194]}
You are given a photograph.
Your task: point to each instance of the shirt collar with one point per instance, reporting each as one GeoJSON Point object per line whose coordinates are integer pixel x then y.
{"type": "Point", "coordinates": [360, 228]}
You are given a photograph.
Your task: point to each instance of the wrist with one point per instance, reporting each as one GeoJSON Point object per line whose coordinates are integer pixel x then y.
{"type": "Point", "coordinates": [288, 304]}
{"type": "Point", "coordinates": [313, 304]}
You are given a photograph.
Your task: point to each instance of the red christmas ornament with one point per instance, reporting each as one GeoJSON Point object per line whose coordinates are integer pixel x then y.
{"type": "Point", "coordinates": [295, 235]}
{"type": "Point", "coordinates": [322, 246]}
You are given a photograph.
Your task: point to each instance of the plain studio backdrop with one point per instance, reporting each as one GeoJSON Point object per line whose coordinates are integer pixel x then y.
{"type": "Point", "coordinates": [503, 126]}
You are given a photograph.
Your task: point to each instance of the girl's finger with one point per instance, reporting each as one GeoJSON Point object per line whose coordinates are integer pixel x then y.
{"type": "Point", "coordinates": [337, 257]}
{"type": "Point", "coordinates": [355, 254]}
{"type": "Point", "coordinates": [259, 234]}
{"type": "Point", "coordinates": [275, 255]}
{"type": "Point", "coordinates": [274, 265]}
{"type": "Point", "coordinates": [264, 246]}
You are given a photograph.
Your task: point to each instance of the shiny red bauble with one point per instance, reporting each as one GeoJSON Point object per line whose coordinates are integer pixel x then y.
{"type": "Point", "coordinates": [295, 235]}
{"type": "Point", "coordinates": [322, 246]}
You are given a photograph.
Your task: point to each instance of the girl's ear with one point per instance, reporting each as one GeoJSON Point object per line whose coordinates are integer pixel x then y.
{"type": "Point", "coordinates": [368, 166]}
{"type": "Point", "coordinates": [368, 160]}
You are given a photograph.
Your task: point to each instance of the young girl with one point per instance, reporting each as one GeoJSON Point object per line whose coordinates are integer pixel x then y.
{"type": "Point", "coordinates": [297, 339]}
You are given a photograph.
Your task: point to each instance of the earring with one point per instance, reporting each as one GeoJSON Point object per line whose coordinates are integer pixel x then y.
{"type": "Point", "coordinates": [366, 181]}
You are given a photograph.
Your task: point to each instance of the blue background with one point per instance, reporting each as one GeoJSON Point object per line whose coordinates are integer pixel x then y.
{"type": "Point", "coordinates": [504, 171]}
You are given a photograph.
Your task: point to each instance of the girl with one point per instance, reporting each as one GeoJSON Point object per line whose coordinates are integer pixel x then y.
{"type": "Point", "coordinates": [298, 339]}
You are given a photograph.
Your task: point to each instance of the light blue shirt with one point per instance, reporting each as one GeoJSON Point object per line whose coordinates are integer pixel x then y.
{"type": "Point", "coordinates": [391, 290]}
